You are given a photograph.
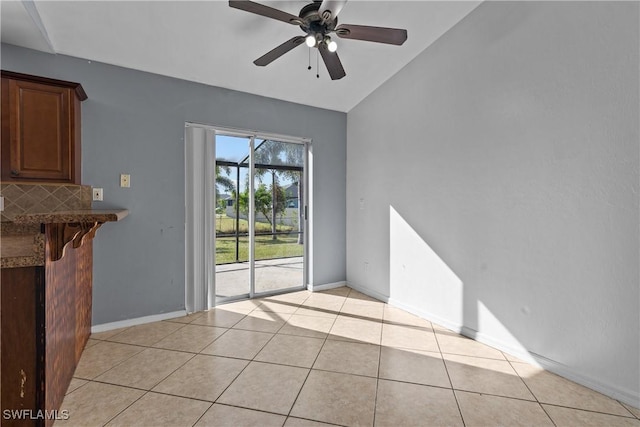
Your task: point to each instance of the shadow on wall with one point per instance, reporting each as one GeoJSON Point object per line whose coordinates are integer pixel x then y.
{"type": "Point", "coordinates": [420, 281]}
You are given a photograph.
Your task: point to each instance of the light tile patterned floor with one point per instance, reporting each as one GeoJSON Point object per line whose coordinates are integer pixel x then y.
{"type": "Point", "coordinates": [331, 358]}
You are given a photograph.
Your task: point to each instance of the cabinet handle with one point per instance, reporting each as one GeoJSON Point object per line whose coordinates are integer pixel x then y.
{"type": "Point", "coordinates": [15, 173]}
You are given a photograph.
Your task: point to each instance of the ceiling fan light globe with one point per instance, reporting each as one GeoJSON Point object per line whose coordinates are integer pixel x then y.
{"type": "Point", "coordinates": [329, 9]}
{"type": "Point", "coordinates": [310, 40]}
{"type": "Point", "coordinates": [332, 46]}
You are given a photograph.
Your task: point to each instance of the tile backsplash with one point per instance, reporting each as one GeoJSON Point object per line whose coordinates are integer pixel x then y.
{"type": "Point", "coordinates": [27, 198]}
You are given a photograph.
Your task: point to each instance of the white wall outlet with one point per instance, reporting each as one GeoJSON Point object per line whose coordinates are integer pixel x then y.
{"type": "Point", "coordinates": [125, 180]}
{"type": "Point", "coordinates": [97, 194]}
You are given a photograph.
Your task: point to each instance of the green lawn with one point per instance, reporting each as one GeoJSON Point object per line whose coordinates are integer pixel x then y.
{"type": "Point", "coordinates": [225, 224]}
{"type": "Point", "coordinates": [286, 245]}
{"type": "Point", "coordinates": [266, 248]}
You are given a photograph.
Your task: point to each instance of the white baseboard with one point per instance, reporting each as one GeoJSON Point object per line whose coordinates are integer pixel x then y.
{"type": "Point", "coordinates": [137, 321]}
{"type": "Point", "coordinates": [369, 292]}
{"type": "Point", "coordinates": [629, 397]}
{"type": "Point", "coordinates": [428, 316]}
{"type": "Point", "coordinates": [623, 395]}
{"type": "Point", "coordinates": [326, 286]}
{"type": "Point", "coordinates": [615, 392]}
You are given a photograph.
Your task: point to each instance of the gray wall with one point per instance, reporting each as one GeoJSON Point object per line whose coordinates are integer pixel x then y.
{"type": "Point", "coordinates": [133, 122]}
{"type": "Point", "coordinates": [492, 185]}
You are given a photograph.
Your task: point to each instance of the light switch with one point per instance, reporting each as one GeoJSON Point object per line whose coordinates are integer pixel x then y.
{"type": "Point", "coordinates": [125, 180]}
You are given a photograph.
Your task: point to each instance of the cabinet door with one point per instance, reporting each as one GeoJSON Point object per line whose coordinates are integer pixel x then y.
{"type": "Point", "coordinates": [41, 131]}
{"type": "Point", "coordinates": [22, 341]}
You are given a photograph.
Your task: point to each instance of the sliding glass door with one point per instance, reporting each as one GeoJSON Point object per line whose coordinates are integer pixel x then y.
{"type": "Point", "coordinates": [232, 278]}
{"type": "Point", "coordinates": [260, 215]}
{"type": "Point", "coordinates": [278, 217]}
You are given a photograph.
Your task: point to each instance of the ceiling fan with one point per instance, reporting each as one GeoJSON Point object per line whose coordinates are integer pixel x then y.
{"type": "Point", "coordinates": [319, 20]}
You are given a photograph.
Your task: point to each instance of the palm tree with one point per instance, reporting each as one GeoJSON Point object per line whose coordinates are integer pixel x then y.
{"type": "Point", "coordinates": [276, 152]}
{"type": "Point", "coordinates": [268, 153]}
{"type": "Point", "coordinates": [224, 180]}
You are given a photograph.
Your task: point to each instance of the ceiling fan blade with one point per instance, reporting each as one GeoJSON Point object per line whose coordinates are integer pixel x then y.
{"type": "Point", "coordinates": [329, 9]}
{"type": "Point", "coordinates": [395, 36]}
{"type": "Point", "coordinates": [331, 60]}
{"type": "Point", "coordinates": [262, 10]}
{"type": "Point", "coordinates": [276, 53]}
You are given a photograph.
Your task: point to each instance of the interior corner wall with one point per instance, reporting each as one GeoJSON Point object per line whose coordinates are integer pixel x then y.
{"type": "Point", "coordinates": [492, 186]}
{"type": "Point", "coordinates": [133, 122]}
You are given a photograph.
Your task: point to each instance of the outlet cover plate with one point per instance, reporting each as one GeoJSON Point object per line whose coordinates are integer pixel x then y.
{"type": "Point", "coordinates": [97, 194]}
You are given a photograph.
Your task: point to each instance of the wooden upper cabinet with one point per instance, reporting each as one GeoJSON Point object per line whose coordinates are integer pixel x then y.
{"type": "Point", "coordinates": [40, 129]}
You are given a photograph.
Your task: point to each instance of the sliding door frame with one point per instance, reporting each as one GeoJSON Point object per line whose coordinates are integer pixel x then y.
{"type": "Point", "coordinates": [200, 266]}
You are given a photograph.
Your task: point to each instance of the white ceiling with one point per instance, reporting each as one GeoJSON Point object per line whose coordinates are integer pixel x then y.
{"type": "Point", "coordinates": [211, 43]}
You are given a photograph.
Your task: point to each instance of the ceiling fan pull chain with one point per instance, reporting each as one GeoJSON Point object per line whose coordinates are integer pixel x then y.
{"type": "Point", "coordinates": [317, 64]}
{"type": "Point", "coordinates": [309, 67]}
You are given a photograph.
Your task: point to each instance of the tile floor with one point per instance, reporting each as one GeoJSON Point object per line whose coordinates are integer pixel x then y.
{"type": "Point", "coordinates": [330, 358]}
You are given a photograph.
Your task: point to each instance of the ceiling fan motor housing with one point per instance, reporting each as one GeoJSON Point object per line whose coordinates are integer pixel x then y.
{"type": "Point", "coordinates": [314, 24]}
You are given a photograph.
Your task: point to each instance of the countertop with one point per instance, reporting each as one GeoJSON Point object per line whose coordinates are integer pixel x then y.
{"type": "Point", "coordinates": [22, 243]}
{"type": "Point", "coordinates": [74, 216]}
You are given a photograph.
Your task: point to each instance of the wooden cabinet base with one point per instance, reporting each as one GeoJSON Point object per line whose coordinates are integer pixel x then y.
{"type": "Point", "coordinates": [46, 321]}
{"type": "Point", "coordinates": [22, 339]}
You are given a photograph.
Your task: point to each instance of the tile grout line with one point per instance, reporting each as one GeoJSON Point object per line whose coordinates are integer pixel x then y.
{"type": "Point", "coordinates": [472, 357]}
{"type": "Point", "coordinates": [309, 372]}
{"type": "Point", "coordinates": [145, 391]}
{"type": "Point", "coordinates": [267, 412]}
{"type": "Point", "coordinates": [375, 399]}
{"type": "Point", "coordinates": [137, 326]}
{"type": "Point", "coordinates": [628, 410]}
{"type": "Point", "coordinates": [191, 358]}
{"type": "Point", "coordinates": [316, 358]}
{"type": "Point", "coordinates": [160, 348]}
{"type": "Point", "coordinates": [530, 391]}
{"type": "Point", "coordinates": [632, 417]}
{"type": "Point", "coordinates": [249, 360]}
{"type": "Point", "coordinates": [114, 366]}
{"type": "Point", "coordinates": [448, 375]}
{"type": "Point", "coordinates": [200, 417]}
{"type": "Point", "coordinates": [124, 409]}
{"type": "Point", "coordinates": [227, 329]}
{"type": "Point", "coordinates": [243, 369]}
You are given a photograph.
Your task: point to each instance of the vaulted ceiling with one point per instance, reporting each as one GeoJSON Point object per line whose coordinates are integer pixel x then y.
{"type": "Point", "coordinates": [211, 43]}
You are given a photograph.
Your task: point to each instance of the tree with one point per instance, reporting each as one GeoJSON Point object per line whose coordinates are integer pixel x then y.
{"type": "Point", "coordinates": [243, 201]}
{"type": "Point", "coordinates": [294, 155]}
{"type": "Point", "coordinates": [223, 180]}
{"type": "Point", "coordinates": [268, 153]}
{"type": "Point", "coordinates": [263, 202]}
{"type": "Point", "coordinates": [297, 178]}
